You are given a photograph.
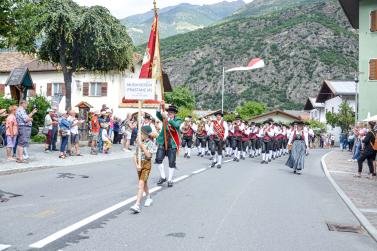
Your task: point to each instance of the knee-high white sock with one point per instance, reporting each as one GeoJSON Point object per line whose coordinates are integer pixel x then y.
{"type": "Point", "coordinates": [188, 151]}
{"type": "Point", "coordinates": [263, 156]}
{"type": "Point", "coordinates": [171, 174]}
{"type": "Point", "coordinates": [270, 155]}
{"type": "Point", "coordinates": [162, 170]}
{"type": "Point", "coordinates": [203, 151]}
{"type": "Point", "coordinates": [214, 158]}
{"type": "Point", "coordinates": [244, 154]}
{"type": "Point", "coordinates": [219, 159]}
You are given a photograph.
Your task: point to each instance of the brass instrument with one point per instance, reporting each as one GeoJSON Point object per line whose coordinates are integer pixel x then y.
{"type": "Point", "coordinates": [201, 127]}
{"type": "Point", "coordinates": [186, 127]}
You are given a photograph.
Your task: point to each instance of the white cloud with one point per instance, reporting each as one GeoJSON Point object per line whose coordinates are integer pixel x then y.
{"type": "Point", "coordinates": [124, 8]}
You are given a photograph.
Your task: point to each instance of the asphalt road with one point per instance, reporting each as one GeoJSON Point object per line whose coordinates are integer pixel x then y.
{"type": "Point", "coordinates": [243, 206]}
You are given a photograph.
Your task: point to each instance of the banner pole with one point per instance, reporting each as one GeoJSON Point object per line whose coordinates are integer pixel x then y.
{"type": "Point", "coordinates": [139, 132]}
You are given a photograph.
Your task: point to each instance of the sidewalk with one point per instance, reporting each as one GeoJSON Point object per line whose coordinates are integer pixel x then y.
{"type": "Point", "coordinates": [361, 191]}
{"type": "Point", "coordinates": [39, 159]}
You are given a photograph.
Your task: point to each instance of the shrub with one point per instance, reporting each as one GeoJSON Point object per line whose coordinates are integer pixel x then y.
{"type": "Point", "coordinates": [39, 138]}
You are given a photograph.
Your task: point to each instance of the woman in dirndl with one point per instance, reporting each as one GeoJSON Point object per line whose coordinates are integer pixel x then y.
{"type": "Point", "coordinates": [299, 143]}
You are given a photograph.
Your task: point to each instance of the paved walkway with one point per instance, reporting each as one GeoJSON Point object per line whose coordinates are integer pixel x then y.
{"type": "Point", "coordinates": [361, 191]}
{"type": "Point", "coordinates": [39, 159]}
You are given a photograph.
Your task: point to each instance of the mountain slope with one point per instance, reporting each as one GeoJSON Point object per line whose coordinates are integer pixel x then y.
{"type": "Point", "coordinates": [301, 46]}
{"type": "Point", "coordinates": [179, 19]}
{"type": "Point", "coordinates": [261, 7]}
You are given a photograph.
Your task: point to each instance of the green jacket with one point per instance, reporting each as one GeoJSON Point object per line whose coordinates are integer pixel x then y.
{"type": "Point", "coordinates": [176, 123]}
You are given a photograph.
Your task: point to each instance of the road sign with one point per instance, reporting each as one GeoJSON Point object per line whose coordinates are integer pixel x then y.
{"type": "Point", "coordinates": [140, 89]}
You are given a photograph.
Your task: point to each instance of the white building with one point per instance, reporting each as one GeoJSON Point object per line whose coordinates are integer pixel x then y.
{"type": "Point", "coordinates": [316, 110]}
{"type": "Point", "coordinates": [332, 93]}
{"type": "Point", "coordinates": [95, 89]}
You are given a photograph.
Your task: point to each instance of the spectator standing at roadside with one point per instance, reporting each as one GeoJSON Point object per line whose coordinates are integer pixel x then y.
{"type": "Point", "coordinates": [368, 152]}
{"type": "Point", "coordinates": [55, 129]}
{"type": "Point", "coordinates": [64, 132]}
{"type": "Point", "coordinates": [95, 127]}
{"type": "Point", "coordinates": [11, 127]}
{"type": "Point", "coordinates": [47, 130]}
{"type": "Point", "coordinates": [332, 140]}
{"type": "Point", "coordinates": [127, 132]}
{"type": "Point", "coordinates": [351, 141]}
{"type": "Point", "coordinates": [75, 138]}
{"type": "Point", "coordinates": [116, 130]}
{"type": "Point", "coordinates": [24, 122]}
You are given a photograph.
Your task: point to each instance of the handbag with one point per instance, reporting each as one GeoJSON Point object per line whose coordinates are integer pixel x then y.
{"type": "Point", "coordinates": [45, 130]}
{"type": "Point", "coordinates": [63, 132]}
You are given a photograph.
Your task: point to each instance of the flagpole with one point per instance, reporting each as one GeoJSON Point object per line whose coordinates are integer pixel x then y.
{"type": "Point", "coordinates": [164, 124]}
{"type": "Point", "coordinates": [222, 91]}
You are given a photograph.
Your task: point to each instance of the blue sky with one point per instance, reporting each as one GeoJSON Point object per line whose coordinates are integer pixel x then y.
{"type": "Point", "coordinates": [124, 8]}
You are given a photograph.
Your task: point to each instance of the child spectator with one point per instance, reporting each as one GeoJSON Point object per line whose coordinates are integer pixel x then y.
{"type": "Point", "coordinates": [11, 131]}
{"type": "Point", "coordinates": [106, 140]}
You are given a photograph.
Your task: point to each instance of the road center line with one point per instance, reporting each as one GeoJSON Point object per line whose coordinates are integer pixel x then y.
{"type": "Point", "coordinates": [181, 178]}
{"type": "Point", "coordinates": [3, 247]}
{"type": "Point", "coordinates": [199, 171]}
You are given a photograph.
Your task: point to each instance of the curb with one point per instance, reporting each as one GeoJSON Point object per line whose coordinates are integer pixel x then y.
{"type": "Point", "coordinates": [35, 168]}
{"type": "Point", "coordinates": [358, 214]}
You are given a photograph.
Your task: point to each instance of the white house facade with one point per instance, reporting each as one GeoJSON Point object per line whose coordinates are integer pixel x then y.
{"type": "Point", "coordinates": [95, 89]}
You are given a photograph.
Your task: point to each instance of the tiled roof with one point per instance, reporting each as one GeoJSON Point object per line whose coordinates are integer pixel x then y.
{"type": "Point", "coordinates": [11, 60]}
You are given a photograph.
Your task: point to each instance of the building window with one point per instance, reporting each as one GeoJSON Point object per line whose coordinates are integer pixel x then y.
{"type": "Point", "coordinates": [373, 69]}
{"type": "Point", "coordinates": [95, 89]}
{"type": "Point", "coordinates": [54, 89]}
{"type": "Point", "coordinates": [373, 21]}
{"type": "Point", "coordinates": [57, 88]}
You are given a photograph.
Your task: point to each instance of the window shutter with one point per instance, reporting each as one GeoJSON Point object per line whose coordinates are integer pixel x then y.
{"type": "Point", "coordinates": [85, 89]}
{"type": "Point", "coordinates": [373, 69]}
{"type": "Point", "coordinates": [373, 21]}
{"type": "Point", "coordinates": [49, 89]}
{"type": "Point", "coordinates": [104, 89]}
{"type": "Point", "coordinates": [2, 89]}
{"type": "Point", "coordinates": [63, 89]}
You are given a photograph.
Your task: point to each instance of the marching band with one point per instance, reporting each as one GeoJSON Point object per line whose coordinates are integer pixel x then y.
{"type": "Point", "coordinates": [238, 140]}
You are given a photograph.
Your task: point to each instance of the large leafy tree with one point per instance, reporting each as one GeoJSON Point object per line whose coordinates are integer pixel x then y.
{"type": "Point", "coordinates": [251, 109]}
{"type": "Point", "coordinates": [181, 97]}
{"type": "Point", "coordinates": [75, 38]}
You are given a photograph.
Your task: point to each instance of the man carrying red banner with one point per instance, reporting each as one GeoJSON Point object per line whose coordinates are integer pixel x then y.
{"type": "Point", "coordinates": [173, 142]}
{"type": "Point", "coordinates": [219, 128]}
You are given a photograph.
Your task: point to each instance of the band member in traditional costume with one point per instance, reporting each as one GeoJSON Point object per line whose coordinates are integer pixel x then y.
{"type": "Point", "coordinates": [285, 139]}
{"type": "Point", "coordinates": [187, 130]}
{"type": "Point", "coordinates": [201, 135]}
{"type": "Point", "coordinates": [258, 145]}
{"type": "Point", "coordinates": [171, 145]}
{"type": "Point", "coordinates": [253, 139]}
{"type": "Point", "coordinates": [274, 140]}
{"type": "Point", "coordinates": [245, 140]}
{"type": "Point", "coordinates": [219, 129]}
{"type": "Point", "coordinates": [299, 141]}
{"type": "Point", "coordinates": [229, 140]}
{"type": "Point", "coordinates": [279, 138]}
{"type": "Point", "coordinates": [237, 129]}
{"type": "Point", "coordinates": [266, 133]}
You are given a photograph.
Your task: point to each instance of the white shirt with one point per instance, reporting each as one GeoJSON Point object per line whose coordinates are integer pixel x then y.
{"type": "Point", "coordinates": [306, 137]}
{"type": "Point", "coordinates": [74, 128]}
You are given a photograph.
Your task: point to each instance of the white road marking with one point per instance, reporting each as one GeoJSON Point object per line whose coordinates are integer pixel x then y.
{"type": "Point", "coordinates": [181, 178]}
{"type": "Point", "coordinates": [229, 160]}
{"type": "Point", "coordinates": [3, 247]}
{"type": "Point", "coordinates": [42, 243]}
{"type": "Point", "coordinates": [199, 171]}
{"type": "Point", "coordinates": [53, 237]}
{"type": "Point", "coordinates": [368, 210]}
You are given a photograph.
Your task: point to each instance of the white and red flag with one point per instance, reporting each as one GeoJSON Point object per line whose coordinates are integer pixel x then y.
{"type": "Point", "coordinates": [253, 64]}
